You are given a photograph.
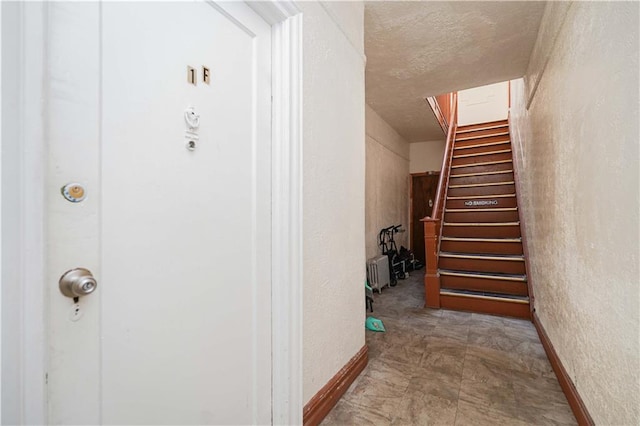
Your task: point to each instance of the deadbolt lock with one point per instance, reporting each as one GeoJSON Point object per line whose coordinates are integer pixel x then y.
{"type": "Point", "coordinates": [77, 282]}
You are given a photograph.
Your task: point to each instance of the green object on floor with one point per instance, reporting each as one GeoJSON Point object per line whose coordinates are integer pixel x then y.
{"type": "Point", "coordinates": [374, 324]}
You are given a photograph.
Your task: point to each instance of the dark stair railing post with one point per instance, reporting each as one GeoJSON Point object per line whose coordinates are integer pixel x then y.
{"type": "Point", "coordinates": [431, 277]}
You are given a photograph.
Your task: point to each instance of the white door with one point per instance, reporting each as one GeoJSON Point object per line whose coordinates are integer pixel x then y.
{"type": "Point", "coordinates": [178, 237]}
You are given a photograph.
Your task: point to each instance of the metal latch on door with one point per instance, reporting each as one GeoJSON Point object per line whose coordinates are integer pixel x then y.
{"type": "Point", "coordinates": [77, 282]}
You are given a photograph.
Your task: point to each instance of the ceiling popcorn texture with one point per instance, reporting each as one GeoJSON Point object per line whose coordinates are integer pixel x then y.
{"type": "Point", "coordinates": [420, 49]}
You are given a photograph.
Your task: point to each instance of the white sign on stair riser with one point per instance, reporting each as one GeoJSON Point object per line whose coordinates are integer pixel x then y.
{"type": "Point", "coordinates": [476, 203]}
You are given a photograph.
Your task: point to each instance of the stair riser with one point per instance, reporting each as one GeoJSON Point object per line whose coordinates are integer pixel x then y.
{"type": "Point", "coordinates": [481, 159]}
{"type": "Point", "coordinates": [482, 149]}
{"type": "Point", "coordinates": [468, 180]}
{"type": "Point", "coordinates": [481, 247]}
{"type": "Point", "coordinates": [480, 169]}
{"type": "Point", "coordinates": [502, 202]}
{"type": "Point", "coordinates": [488, 132]}
{"type": "Point", "coordinates": [509, 309]}
{"type": "Point", "coordinates": [481, 265]}
{"type": "Point", "coordinates": [481, 190]}
{"type": "Point", "coordinates": [487, 285]}
{"type": "Point", "coordinates": [481, 231]}
{"type": "Point", "coordinates": [510, 216]}
{"type": "Point", "coordinates": [477, 141]}
{"type": "Point", "coordinates": [481, 125]}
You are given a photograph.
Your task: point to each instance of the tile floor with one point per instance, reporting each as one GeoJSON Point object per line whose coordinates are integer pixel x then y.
{"type": "Point", "coordinates": [450, 368]}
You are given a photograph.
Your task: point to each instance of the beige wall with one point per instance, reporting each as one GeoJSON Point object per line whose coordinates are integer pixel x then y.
{"type": "Point", "coordinates": [577, 150]}
{"type": "Point", "coordinates": [387, 182]}
{"type": "Point", "coordinates": [484, 103]}
{"type": "Point", "coordinates": [426, 156]}
{"type": "Point", "coordinates": [333, 185]}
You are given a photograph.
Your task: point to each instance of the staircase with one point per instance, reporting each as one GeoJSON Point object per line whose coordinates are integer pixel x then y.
{"type": "Point", "coordinates": [480, 261]}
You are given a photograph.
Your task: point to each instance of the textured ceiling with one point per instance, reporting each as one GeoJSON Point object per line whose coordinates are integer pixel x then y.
{"type": "Point", "coordinates": [419, 49]}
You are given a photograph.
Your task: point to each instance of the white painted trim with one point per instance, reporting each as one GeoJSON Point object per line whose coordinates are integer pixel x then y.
{"type": "Point", "coordinates": [275, 12]}
{"type": "Point", "coordinates": [286, 21]}
{"type": "Point", "coordinates": [1, 62]}
{"type": "Point", "coordinates": [23, 211]}
{"type": "Point", "coordinates": [33, 190]}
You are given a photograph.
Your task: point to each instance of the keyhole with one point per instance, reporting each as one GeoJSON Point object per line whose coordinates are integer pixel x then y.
{"type": "Point", "coordinates": [191, 145]}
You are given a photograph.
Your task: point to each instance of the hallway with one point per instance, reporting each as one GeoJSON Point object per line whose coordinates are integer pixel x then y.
{"type": "Point", "coordinates": [447, 367]}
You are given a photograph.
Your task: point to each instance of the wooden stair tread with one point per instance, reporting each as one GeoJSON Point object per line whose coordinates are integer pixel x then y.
{"type": "Point", "coordinates": [493, 135]}
{"type": "Point", "coordinates": [483, 240]}
{"type": "Point", "coordinates": [499, 124]}
{"type": "Point", "coordinates": [485, 302]}
{"type": "Point", "coordinates": [494, 209]}
{"type": "Point", "coordinates": [481, 223]}
{"type": "Point", "coordinates": [476, 185]}
{"type": "Point", "coordinates": [497, 172]}
{"type": "Point", "coordinates": [479, 154]}
{"type": "Point", "coordinates": [485, 163]}
{"type": "Point", "coordinates": [485, 295]}
{"type": "Point", "coordinates": [481, 145]}
{"type": "Point", "coordinates": [484, 275]}
{"type": "Point", "coordinates": [502, 122]}
{"type": "Point", "coordinates": [475, 197]}
{"type": "Point", "coordinates": [482, 256]}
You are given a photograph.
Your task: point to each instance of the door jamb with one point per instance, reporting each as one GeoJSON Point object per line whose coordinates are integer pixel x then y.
{"type": "Point", "coordinates": [23, 211]}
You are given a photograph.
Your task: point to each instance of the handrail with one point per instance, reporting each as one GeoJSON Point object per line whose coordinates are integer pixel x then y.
{"type": "Point", "coordinates": [444, 105]}
{"type": "Point", "coordinates": [433, 223]}
{"type": "Point", "coordinates": [441, 107]}
{"type": "Point", "coordinates": [446, 159]}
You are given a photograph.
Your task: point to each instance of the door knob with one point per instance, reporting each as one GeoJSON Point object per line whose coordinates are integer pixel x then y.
{"type": "Point", "coordinates": [77, 282]}
{"type": "Point", "coordinates": [430, 203]}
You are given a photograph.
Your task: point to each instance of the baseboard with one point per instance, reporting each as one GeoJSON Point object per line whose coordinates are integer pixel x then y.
{"type": "Point", "coordinates": [322, 402]}
{"type": "Point", "coordinates": [573, 397]}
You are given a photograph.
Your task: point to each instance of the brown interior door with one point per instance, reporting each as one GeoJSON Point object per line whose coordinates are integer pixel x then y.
{"type": "Point", "coordinates": [423, 194]}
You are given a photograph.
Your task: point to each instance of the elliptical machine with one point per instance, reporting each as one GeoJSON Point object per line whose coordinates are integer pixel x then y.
{"type": "Point", "coordinates": [397, 266]}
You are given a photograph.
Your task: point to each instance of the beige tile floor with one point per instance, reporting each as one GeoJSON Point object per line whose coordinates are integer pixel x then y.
{"type": "Point", "coordinates": [450, 368]}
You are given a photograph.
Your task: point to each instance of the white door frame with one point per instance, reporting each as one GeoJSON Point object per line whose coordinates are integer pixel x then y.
{"type": "Point", "coordinates": [286, 277]}
{"type": "Point", "coordinates": [24, 339]}
{"type": "Point", "coordinates": [23, 196]}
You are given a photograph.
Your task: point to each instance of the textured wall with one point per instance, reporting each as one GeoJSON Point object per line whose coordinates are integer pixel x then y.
{"type": "Point", "coordinates": [483, 104]}
{"type": "Point", "coordinates": [334, 163]}
{"type": "Point", "coordinates": [426, 156]}
{"type": "Point", "coordinates": [554, 16]}
{"type": "Point", "coordinates": [578, 155]}
{"type": "Point", "coordinates": [387, 182]}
